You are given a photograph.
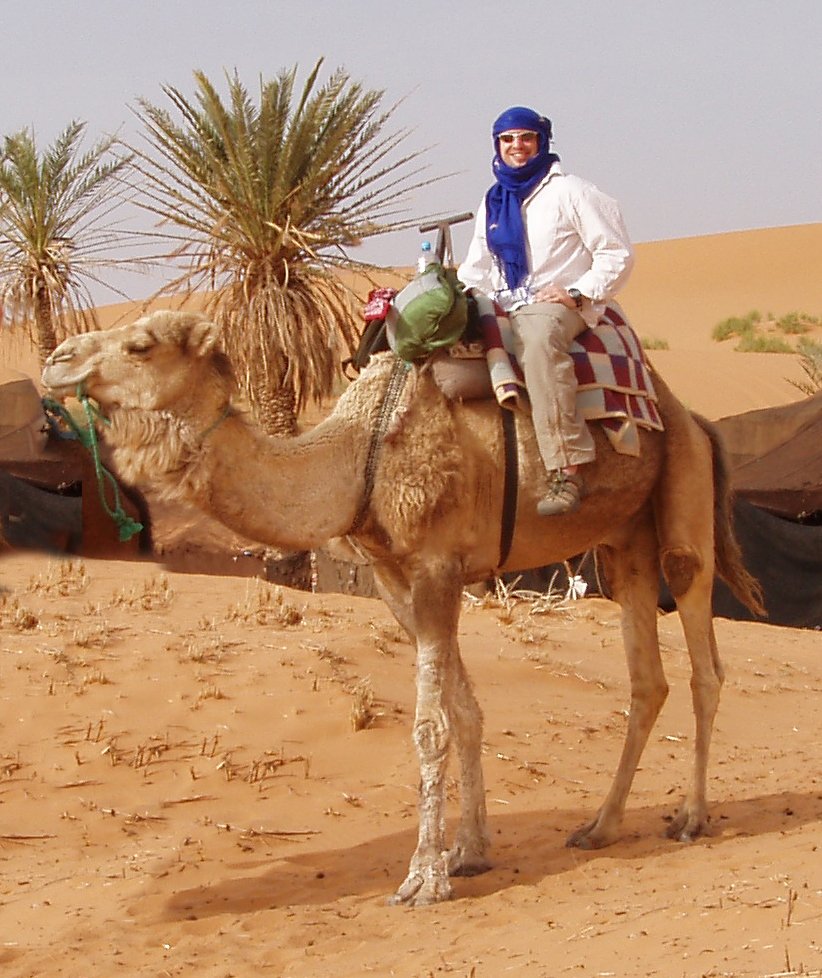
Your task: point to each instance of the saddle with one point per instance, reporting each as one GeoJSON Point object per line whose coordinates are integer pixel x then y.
{"type": "Point", "coordinates": [615, 387]}
{"type": "Point", "coordinates": [614, 383]}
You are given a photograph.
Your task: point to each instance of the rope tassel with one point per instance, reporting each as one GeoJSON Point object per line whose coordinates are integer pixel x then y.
{"type": "Point", "coordinates": [87, 436]}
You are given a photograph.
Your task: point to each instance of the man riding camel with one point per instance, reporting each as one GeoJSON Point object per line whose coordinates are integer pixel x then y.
{"type": "Point", "coordinates": [551, 249]}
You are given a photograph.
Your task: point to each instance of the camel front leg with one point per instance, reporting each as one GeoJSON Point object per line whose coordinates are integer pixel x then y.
{"type": "Point", "coordinates": [435, 598]}
{"type": "Point", "coordinates": [468, 855]}
{"type": "Point", "coordinates": [392, 586]}
{"type": "Point", "coordinates": [632, 571]}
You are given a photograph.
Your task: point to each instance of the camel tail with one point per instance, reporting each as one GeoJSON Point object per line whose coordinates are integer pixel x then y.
{"type": "Point", "coordinates": [727, 552]}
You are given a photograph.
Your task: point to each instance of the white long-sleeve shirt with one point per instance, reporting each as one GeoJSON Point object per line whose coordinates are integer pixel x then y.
{"type": "Point", "coordinates": [575, 239]}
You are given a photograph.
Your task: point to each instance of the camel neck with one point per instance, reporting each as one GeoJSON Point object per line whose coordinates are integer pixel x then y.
{"type": "Point", "coordinates": [277, 490]}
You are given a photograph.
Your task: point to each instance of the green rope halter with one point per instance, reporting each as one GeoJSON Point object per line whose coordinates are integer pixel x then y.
{"type": "Point", "coordinates": [87, 436]}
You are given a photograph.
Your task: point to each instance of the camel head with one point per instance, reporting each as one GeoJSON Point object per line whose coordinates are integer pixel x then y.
{"type": "Point", "coordinates": [158, 363]}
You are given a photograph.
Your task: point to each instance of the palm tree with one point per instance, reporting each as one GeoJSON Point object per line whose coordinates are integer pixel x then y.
{"type": "Point", "coordinates": [54, 238]}
{"type": "Point", "coordinates": [264, 200]}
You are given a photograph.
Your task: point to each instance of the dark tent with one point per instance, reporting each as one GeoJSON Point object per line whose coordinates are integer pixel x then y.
{"type": "Point", "coordinates": [777, 476]}
{"type": "Point", "coordinates": [777, 457]}
{"type": "Point", "coordinates": [786, 559]}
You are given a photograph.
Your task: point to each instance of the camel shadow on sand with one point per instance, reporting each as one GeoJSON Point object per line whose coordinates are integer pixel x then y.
{"type": "Point", "coordinates": [526, 848]}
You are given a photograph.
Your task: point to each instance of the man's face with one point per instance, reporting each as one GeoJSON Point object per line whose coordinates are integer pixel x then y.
{"type": "Point", "coordinates": [517, 146]}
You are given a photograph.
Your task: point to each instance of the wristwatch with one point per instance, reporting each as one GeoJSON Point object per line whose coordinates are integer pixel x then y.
{"type": "Point", "coordinates": [577, 296]}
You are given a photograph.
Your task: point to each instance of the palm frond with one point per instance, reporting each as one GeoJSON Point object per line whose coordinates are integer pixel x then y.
{"type": "Point", "coordinates": [57, 231]}
{"type": "Point", "coordinates": [261, 198]}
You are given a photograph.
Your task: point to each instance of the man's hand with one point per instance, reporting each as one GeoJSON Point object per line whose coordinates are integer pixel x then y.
{"type": "Point", "coordinates": [552, 293]}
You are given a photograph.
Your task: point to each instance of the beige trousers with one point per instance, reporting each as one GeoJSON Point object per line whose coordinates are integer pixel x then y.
{"type": "Point", "coordinates": [543, 333]}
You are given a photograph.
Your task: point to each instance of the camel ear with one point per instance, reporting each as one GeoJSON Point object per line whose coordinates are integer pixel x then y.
{"type": "Point", "coordinates": [202, 336]}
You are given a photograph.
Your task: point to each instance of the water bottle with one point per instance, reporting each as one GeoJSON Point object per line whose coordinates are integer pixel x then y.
{"type": "Point", "coordinates": [426, 257]}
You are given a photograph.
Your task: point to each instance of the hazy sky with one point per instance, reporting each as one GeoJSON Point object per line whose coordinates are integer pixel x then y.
{"type": "Point", "coordinates": [700, 116]}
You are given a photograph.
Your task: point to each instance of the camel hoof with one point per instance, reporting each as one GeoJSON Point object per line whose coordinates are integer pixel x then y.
{"type": "Point", "coordinates": [687, 826]}
{"type": "Point", "coordinates": [589, 837]}
{"type": "Point", "coordinates": [418, 890]}
{"type": "Point", "coordinates": [467, 860]}
{"type": "Point", "coordinates": [460, 864]}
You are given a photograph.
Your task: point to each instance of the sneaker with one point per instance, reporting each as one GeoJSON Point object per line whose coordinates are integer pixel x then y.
{"type": "Point", "coordinates": [563, 497]}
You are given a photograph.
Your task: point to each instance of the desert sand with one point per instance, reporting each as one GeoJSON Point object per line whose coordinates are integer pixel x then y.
{"type": "Point", "coordinates": [183, 790]}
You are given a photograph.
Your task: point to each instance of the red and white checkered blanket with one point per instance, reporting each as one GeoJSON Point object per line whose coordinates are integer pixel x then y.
{"type": "Point", "coordinates": [615, 387]}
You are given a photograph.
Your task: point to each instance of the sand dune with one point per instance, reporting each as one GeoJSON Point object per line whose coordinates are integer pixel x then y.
{"type": "Point", "coordinates": [678, 292]}
{"type": "Point", "coordinates": [680, 289]}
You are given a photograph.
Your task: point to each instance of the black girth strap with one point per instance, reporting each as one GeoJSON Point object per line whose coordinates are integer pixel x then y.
{"type": "Point", "coordinates": [510, 484]}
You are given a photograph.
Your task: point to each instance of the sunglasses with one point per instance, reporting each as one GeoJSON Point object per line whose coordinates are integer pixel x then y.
{"type": "Point", "coordinates": [523, 137]}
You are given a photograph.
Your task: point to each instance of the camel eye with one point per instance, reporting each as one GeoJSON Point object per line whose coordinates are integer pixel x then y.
{"type": "Point", "coordinates": [139, 347]}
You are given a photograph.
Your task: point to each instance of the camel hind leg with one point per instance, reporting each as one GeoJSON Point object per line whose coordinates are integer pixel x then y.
{"type": "Point", "coordinates": [707, 676]}
{"type": "Point", "coordinates": [632, 570]}
{"type": "Point", "coordinates": [692, 513]}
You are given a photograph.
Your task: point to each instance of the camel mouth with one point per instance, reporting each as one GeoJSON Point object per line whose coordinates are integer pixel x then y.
{"type": "Point", "coordinates": [60, 380]}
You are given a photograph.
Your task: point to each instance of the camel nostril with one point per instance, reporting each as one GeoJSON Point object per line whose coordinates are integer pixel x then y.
{"type": "Point", "coordinates": [59, 356]}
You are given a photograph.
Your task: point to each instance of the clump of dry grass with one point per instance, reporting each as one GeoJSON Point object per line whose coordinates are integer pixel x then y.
{"type": "Point", "coordinates": [543, 659]}
{"type": "Point", "coordinates": [510, 601]}
{"type": "Point", "coordinates": [96, 677]}
{"type": "Point", "coordinates": [362, 705]}
{"type": "Point", "coordinates": [63, 577]}
{"type": "Point", "coordinates": [210, 692]}
{"type": "Point", "coordinates": [387, 634]}
{"type": "Point", "coordinates": [9, 765]}
{"type": "Point", "coordinates": [14, 615]}
{"type": "Point", "coordinates": [271, 761]}
{"type": "Point", "coordinates": [325, 654]}
{"type": "Point", "coordinates": [266, 605]}
{"type": "Point", "coordinates": [98, 634]}
{"type": "Point", "coordinates": [209, 650]}
{"type": "Point", "coordinates": [154, 594]}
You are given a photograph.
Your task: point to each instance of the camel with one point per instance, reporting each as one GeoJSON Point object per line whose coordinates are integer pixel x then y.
{"type": "Point", "coordinates": [431, 526]}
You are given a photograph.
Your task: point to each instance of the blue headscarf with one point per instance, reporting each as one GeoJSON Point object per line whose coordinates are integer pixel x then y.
{"type": "Point", "coordinates": [504, 228]}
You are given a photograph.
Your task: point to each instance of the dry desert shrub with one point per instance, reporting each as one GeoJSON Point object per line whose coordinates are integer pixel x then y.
{"type": "Point", "coordinates": [265, 604]}
{"type": "Point", "coordinates": [205, 650]}
{"type": "Point", "coordinates": [387, 634]}
{"type": "Point", "coordinates": [154, 594]}
{"type": "Point", "coordinates": [97, 635]}
{"type": "Point", "coordinates": [512, 602]}
{"type": "Point", "coordinates": [810, 359]}
{"type": "Point", "coordinates": [362, 705]}
{"type": "Point", "coordinates": [210, 692]}
{"type": "Point", "coordinates": [14, 615]}
{"type": "Point", "coordinates": [62, 577]}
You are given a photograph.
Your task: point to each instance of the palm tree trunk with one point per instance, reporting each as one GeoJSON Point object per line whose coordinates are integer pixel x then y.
{"type": "Point", "coordinates": [43, 322]}
{"type": "Point", "coordinates": [275, 409]}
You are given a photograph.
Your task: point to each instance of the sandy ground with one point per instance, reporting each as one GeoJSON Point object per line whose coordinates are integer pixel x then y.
{"type": "Point", "coordinates": [182, 791]}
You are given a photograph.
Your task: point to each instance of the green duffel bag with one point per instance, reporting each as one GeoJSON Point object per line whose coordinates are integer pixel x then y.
{"type": "Point", "coordinates": [430, 313]}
